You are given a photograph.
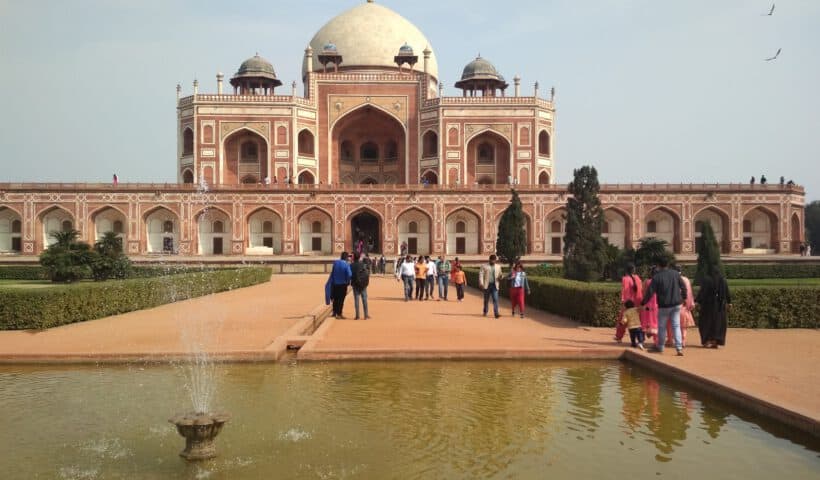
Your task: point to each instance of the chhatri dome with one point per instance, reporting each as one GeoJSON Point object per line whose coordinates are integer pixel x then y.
{"type": "Point", "coordinates": [367, 36]}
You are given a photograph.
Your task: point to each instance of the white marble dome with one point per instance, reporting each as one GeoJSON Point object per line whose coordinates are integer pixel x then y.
{"type": "Point", "coordinates": [369, 35]}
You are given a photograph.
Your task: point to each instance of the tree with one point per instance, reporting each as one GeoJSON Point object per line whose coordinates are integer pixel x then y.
{"type": "Point", "coordinates": [709, 255]}
{"type": "Point", "coordinates": [651, 251]}
{"type": "Point", "coordinates": [584, 247]}
{"type": "Point", "coordinates": [512, 239]}
{"type": "Point", "coordinates": [66, 260]}
{"type": "Point", "coordinates": [813, 225]}
{"type": "Point", "coordinates": [108, 260]}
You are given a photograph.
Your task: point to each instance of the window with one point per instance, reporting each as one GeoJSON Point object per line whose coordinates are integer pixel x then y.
{"type": "Point", "coordinates": [346, 151]}
{"type": "Point", "coordinates": [67, 226]}
{"type": "Point", "coordinates": [305, 143]}
{"type": "Point", "coordinates": [524, 137]}
{"type": "Point", "coordinates": [391, 152]}
{"type": "Point", "coordinates": [219, 227]}
{"type": "Point", "coordinates": [207, 134]}
{"type": "Point", "coordinates": [369, 152]}
{"type": "Point", "coordinates": [461, 227]}
{"type": "Point", "coordinates": [167, 226]}
{"type": "Point", "coordinates": [249, 152]}
{"type": "Point", "coordinates": [651, 226]}
{"type": "Point", "coordinates": [316, 227]}
{"type": "Point", "coordinates": [281, 135]}
{"type": "Point", "coordinates": [543, 179]}
{"type": "Point", "coordinates": [118, 226]}
{"type": "Point", "coordinates": [486, 153]}
{"type": "Point", "coordinates": [16, 226]}
{"type": "Point", "coordinates": [267, 227]}
{"type": "Point", "coordinates": [187, 177]}
{"type": "Point", "coordinates": [452, 136]}
{"type": "Point", "coordinates": [188, 142]}
{"type": "Point", "coordinates": [555, 226]}
{"type": "Point", "coordinates": [544, 144]}
{"type": "Point", "coordinates": [413, 227]}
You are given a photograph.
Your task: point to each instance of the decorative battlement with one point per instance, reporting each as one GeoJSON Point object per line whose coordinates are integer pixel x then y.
{"type": "Point", "coordinates": [243, 99]}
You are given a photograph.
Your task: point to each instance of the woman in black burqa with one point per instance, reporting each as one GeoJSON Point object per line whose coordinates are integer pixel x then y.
{"type": "Point", "coordinates": [715, 301]}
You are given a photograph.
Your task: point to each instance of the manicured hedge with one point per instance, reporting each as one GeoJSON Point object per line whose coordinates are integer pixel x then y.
{"type": "Point", "coordinates": [733, 270]}
{"type": "Point", "coordinates": [36, 272]}
{"type": "Point", "coordinates": [23, 272]}
{"type": "Point", "coordinates": [51, 307]}
{"type": "Point", "coordinates": [597, 304]}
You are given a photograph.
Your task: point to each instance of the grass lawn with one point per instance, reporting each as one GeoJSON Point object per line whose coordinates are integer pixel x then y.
{"type": "Point", "coordinates": [774, 282]}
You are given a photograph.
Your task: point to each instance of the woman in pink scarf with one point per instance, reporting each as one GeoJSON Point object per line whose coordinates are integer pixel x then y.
{"type": "Point", "coordinates": [631, 289]}
{"type": "Point", "coordinates": [649, 313]}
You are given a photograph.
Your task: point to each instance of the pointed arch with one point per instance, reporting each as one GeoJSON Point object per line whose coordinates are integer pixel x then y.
{"type": "Point", "coordinates": [618, 229]}
{"type": "Point", "coordinates": [310, 241]}
{"type": "Point", "coordinates": [11, 230]}
{"type": "Point", "coordinates": [543, 178]}
{"type": "Point", "coordinates": [528, 231]}
{"type": "Point", "coordinates": [305, 177]}
{"type": "Point", "coordinates": [109, 218]}
{"type": "Point", "coordinates": [187, 141]}
{"type": "Point", "coordinates": [468, 241]}
{"type": "Point", "coordinates": [430, 176]}
{"type": "Point", "coordinates": [544, 147]}
{"type": "Point", "coordinates": [668, 224]}
{"type": "Point", "coordinates": [763, 235]}
{"type": "Point", "coordinates": [797, 233]}
{"type": "Point", "coordinates": [306, 143]}
{"type": "Point", "coordinates": [418, 242]}
{"type": "Point", "coordinates": [238, 162]}
{"type": "Point", "coordinates": [489, 156]}
{"type": "Point", "coordinates": [721, 226]}
{"type": "Point", "coordinates": [159, 237]}
{"type": "Point", "coordinates": [369, 141]}
{"type": "Point", "coordinates": [366, 225]}
{"type": "Point", "coordinates": [55, 218]}
{"type": "Point", "coordinates": [264, 229]}
{"type": "Point", "coordinates": [429, 143]}
{"type": "Point", "coordinates": [555, 224]}
{"type": "Point", "coordinates": [213, 231]}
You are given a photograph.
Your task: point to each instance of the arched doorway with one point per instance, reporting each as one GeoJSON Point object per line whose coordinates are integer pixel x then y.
{"type": "Point", "coordinates": [11, 228]}
{"type": "Point", "coordinates": [719, 222]}
{"type": "Point", "coordinates": [214, 230]}
{"type": "Point", "coordinates": [556, 228]}
{"type": "Point", "coordinates": [55, 220]}
{"type": "Point", "coordinates": [107, 220]}
{"type": "Point", "coordinates": [414, 232]}
{"type": "Point", "coordinates": [663, 224]}
{"type": "Point", "coordinates": [543, 178]}
{"type": "Point", "coordinates": [463, 233]}
{"type": "Point", "coordinates": [760, 231]}
{"type": "Point", "coordinates": [245, 155]}
{"type": "Point", "coordinates": [368, 143]}
{"type": "Point", "coordinates": [315, 232]}
{"type": "Point", "coordinates": [365, 232]}
{"type": "Point", "coordinates": [429, 178]}
{"type": "Point", "coordinates": [488, 159]}
{"type": "Point", "coordinates": [162, 228]}
{"type": "Point", "coordinates": [306, 178]}
{"type": "Point", "coordinates": [616, 228]}
{"type": "Point", "coordinates": [265, 228]}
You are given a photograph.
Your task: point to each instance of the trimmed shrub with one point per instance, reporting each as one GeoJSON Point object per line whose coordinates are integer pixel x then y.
{"type": "Point", "coordinates": [51, 307]}
{"type": "Point", "coordinates": [23, 272]}
{"type": "Point", "coordinates": [597, 304]}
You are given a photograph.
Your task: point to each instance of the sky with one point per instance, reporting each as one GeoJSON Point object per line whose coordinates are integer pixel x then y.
{"type": "Point", "coordinates": [647, 91]}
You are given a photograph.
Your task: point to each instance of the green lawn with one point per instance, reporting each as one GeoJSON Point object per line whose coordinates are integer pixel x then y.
{"type": "Point", "coordinates": [778, 282]}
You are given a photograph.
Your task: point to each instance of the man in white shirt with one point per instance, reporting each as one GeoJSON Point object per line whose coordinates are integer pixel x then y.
{"type": "Point", "coordinates": [488, 279]}
{"type": "Point", "coordinates": [432, 274]}
{"type": "Point", "coordinates": [406, 272]}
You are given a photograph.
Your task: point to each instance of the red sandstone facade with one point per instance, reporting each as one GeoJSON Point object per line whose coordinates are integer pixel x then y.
{"type": "Point", "coordinates": [374, 151]}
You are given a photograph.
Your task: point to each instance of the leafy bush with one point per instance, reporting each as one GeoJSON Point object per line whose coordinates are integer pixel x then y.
{"type": "Point", "coordinates": [67, 260]}
{"type": "Point", "coordinates": [23, 272]}
{"type": "Point", "coordinates": [597, 304]}
{"type": "Point", "coordinates": [51, 307]}
{"type": "Point", "coordinates": [108, 260]}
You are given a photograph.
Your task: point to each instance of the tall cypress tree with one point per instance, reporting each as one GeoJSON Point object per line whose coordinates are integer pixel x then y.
{"type": "Point", "coordinates": [584, 246]}
{"type": "Point", "coordinates": [512, 239]}
{"type": "Point", "coordinates": [709, 255]}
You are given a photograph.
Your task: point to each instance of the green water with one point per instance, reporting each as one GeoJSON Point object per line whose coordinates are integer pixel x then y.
{"type": "Point", "coordinates": [449, 420]}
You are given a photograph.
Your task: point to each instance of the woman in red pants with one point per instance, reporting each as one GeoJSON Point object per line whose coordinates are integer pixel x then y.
{"type": "Point", "coordinates": [518, 285]}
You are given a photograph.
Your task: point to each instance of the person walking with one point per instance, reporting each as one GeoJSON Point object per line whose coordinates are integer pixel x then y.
{"type": "Point", "coordinates": [671, 293]}
{"type": "Point", "coordinates": [488, 277]}
{"type": "Point", "coordinates": [444, 269]}
{"type": "Point", "coordinates": [631, 289]}
{"type": "Point", "coordinates": [382, 264]}
{"type": "Point", "coordinates": [421, 277]}
{"type": "Point", "coordinates": [339, 279]}
{"type": "Point", "coordinates": [430, 281]}
{"type": "Point", "coordinates": [518, 285]}
{"type": "Point", "coordinates": [459, 279]}
{"type": "Point", "coordinates": [360, 280]}
{"type": "Point", "coordinates": [405, 272]}
{"type": "Point", "coordinates": [649, 312]}
{"type": "Point", "coordinates": [714, 301]}
{"type": "Point", "coordinates": [686, 319]}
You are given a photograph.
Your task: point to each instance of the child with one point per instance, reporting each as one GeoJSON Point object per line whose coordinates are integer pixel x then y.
{"type": "Point", "coordinates": [459, 279]}
{"type": "Point", "coordinates": [632, 320]}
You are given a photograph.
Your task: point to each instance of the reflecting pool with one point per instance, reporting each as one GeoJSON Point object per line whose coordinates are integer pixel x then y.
{"type": "Point", "coordinates": [431, 420]}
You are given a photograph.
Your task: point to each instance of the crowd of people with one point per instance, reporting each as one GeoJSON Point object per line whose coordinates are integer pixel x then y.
{"type": "Point", "coordinates": [661, 306]}
{"type": "Point", "coordinates": [421, 278]}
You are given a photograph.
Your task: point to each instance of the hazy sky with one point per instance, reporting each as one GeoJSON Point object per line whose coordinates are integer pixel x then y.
{"type": "Point", "coordinates": [647, 90]}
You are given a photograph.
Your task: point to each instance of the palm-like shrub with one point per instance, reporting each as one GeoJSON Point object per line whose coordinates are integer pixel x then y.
{"type": "Point", "coordinates": [109, 260]}
{"type": "Point", "coordinates": [67, 260]}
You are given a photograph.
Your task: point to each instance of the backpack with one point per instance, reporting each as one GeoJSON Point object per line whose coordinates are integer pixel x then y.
{"type": "Point", "coordinates": [362, 278]}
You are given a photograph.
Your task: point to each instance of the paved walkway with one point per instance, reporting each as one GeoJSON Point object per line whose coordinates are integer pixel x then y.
{"type": "Point", "coordinates": [239, 324]}
{"type": "Point", "coordinates": [777, 368]}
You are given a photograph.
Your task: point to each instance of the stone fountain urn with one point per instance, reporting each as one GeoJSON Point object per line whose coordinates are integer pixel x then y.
{"type": "Point", "coordinates": [199, 430]}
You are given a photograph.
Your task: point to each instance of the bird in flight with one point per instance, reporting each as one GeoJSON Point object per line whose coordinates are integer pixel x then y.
{"type": "Point", "coordinates": [771, 12]}
{"type": "Point", "coordinates": [774, 57]}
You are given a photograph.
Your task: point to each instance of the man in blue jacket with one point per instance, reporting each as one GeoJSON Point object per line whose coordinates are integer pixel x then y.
{"type": "Point", "coordinates": [671, 292]}
{"type": "Point", "coordinates": [339, 280]}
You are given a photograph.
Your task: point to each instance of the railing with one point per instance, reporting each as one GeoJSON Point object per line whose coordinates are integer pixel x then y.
{"type": "Point", "coordinates": [528, 101]}
{"type": "Point", "coordinates": [262, 99]}
{"type": "Point", "coordinates": [706, 188]}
